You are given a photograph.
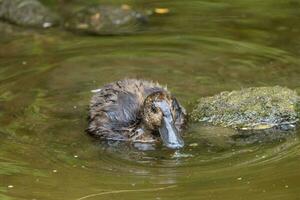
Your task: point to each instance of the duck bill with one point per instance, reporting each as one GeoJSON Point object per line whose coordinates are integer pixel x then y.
{"type": "Point", "coordinates": [169, 134]}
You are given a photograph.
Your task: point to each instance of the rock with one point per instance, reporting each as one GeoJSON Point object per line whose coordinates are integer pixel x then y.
{"type": "Point", "coordinates": [10, 31]}
{"type": "Point", "coordinates": [106, 20]}
{"type": "Point", "coordinates": [250, 109]}
{"type": "Point", "coordinates": [27, 13]}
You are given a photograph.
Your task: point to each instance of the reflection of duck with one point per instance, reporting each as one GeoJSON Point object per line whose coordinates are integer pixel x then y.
{"type": "Point", "coordinates": [137, 111]}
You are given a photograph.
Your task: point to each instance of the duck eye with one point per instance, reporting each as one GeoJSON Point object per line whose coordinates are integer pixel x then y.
{"type": "Point", "coordinates": [153, 108]}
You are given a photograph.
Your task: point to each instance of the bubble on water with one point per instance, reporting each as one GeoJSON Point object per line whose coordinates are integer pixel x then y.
{"type": "Point", "coordinates": [47, 24]}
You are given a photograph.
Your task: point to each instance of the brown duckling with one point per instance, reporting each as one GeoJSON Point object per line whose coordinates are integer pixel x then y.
{"type": "Point", "coordinates": [137, 111]}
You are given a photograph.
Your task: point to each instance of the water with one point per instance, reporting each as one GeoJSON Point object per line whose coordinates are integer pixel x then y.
{"type": "Point", "coordinates": [199, 49]}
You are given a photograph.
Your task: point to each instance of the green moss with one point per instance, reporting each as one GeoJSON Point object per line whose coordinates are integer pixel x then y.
{"type": "Point", "coordinates": [252, 108]}
{"type": "Point", "coordinates": [297, 107]}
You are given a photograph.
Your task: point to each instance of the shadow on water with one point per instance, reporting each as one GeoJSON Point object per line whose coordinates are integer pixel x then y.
{"type": "Point", "coordinates": [199, 49]}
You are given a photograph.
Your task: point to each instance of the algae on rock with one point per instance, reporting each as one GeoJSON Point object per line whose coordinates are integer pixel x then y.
{"type": "Point", "coordinates": [253, 108]}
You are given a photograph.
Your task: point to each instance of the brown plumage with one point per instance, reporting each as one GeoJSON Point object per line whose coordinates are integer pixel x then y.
{"type": "Point", "coordinates": [137, 111]}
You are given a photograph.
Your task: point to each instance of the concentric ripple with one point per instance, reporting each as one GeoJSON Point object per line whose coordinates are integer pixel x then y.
{"type": "Point", "coordinates": [198, 49]}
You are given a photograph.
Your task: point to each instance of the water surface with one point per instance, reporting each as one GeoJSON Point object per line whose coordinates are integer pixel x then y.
{"type": "Point", "coordinates": [200, 48]}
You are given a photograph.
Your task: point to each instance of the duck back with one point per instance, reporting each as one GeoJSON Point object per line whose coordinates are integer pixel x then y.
{"type": "Point", "coordinates": [115, 109]}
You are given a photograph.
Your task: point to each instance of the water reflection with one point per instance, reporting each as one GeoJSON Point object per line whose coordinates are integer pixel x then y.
{"type": "Point", "coordinates": [200, 48]}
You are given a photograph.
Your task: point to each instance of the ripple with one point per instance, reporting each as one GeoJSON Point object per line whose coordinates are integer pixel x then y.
{"type": "Point", "coordinates": [125, 159]}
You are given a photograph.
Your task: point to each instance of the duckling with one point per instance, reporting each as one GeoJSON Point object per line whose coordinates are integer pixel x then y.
{"type": "Point", "coordinates": [136, 111]}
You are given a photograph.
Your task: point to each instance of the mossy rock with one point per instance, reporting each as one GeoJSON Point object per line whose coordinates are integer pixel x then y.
{"type": "Point", "coordinates": [106, 20]}
{"type": "Point", "coordinates": [27, 13]}
{"type": "Point", "coordinates": [256, 108]}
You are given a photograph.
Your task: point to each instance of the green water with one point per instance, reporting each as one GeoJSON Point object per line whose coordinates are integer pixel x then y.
{"type": "Point", "coordinates": [199, 49]}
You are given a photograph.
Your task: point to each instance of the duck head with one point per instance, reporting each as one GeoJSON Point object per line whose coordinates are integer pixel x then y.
{"type": "Point", "coordinates": [159, 115]}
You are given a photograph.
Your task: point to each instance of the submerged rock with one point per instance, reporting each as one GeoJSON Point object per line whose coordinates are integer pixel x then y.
{"type": "Point", "coordinates": [106, 20]}
{"type": "Point", "coordinates": [27, 13]}
{"type": "Point", "coordinates": [250, 109]}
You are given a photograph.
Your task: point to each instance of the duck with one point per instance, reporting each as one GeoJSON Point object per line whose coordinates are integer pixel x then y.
{"type": "Point", "coordinates": [137, 111]}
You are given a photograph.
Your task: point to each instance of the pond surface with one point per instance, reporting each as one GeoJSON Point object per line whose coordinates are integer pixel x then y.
{"type": "Point", "coordinates": [200, 48]}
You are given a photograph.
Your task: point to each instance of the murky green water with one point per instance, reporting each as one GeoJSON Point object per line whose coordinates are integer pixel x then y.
{"type": "Point", "coordinates": [199, 49]}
